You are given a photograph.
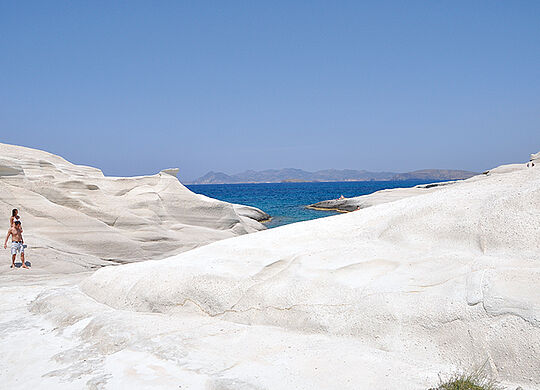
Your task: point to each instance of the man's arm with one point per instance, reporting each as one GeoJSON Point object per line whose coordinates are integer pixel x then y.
{"type": "Point", "coordinates": [8, 234]}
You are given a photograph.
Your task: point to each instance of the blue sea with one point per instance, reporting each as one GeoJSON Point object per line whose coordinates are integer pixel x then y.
{"type": "Point", "coordinates": [286, 202]}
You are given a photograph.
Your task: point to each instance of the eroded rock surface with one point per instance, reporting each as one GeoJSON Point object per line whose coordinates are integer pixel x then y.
{"type": "Point", "coordinates": [388, 297]}
{"type": "Point", "coordinates": [450, 276]}
{"type": "Point", "coordinates": [74, 217]}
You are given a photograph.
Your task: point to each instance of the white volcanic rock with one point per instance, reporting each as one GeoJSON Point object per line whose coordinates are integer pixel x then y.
{"type": "Point", "coordinates": [74, 216]}
{"type": "Point", "coordinates": [384, 298]}
{"type": "Point", "coordinates": [74, 342]}
{"type": "Point", "coordinates": [450, 277]}
{"type": "Point", "coordinates": [378, 197]}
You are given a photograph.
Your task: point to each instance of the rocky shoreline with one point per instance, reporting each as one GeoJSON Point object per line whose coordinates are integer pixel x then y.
{"type": "Point", "coordinates": [394, 295]}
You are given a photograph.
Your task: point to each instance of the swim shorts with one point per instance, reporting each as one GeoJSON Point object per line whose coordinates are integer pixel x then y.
{"type": "Point", "coordinates": [17, 247]}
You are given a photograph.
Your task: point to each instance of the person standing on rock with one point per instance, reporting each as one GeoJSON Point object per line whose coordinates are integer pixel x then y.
{"type": "Point", "coordinates": [14, 217]}
{"type": "Point", "coordinates": [17, 244]}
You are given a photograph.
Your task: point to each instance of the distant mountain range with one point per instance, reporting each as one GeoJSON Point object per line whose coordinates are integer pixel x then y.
{"type": "Point", "coordinates": [299, 175]}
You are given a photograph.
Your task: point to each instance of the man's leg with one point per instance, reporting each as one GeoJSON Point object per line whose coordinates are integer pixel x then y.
{"type": "Point", "coordinates": [13, 260]}
{"type": "Point", "coordinates": [22, 259]}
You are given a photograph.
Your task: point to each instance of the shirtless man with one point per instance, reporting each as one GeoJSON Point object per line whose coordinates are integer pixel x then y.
{"type": "Point", "coordinates": [17, 244]}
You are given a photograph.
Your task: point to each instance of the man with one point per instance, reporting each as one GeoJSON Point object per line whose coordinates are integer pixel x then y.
{"type": "Point", "coordinates": [17, 244]}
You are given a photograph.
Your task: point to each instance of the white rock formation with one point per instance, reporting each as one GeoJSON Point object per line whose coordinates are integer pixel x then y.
{"type": "Point", "coordinates": [383, 298]}
{"type": "Point", "coordinates": [74, 216]}
{"type": "Point", "coordinates": [378, 197]}
{"type": "Point", "coordinates": [393, 194]}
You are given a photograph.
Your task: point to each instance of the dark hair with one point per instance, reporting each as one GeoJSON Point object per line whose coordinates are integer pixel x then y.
{"type": "Point", "coordinates": [17, 222]}
{"type": "Point", "coordinates": [13, 212]}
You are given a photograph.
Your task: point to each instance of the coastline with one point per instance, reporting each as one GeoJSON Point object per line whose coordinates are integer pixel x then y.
{"type": "Point", "coordinates": [390, 296]}
{"type": "Point", "coordinates": [315, 181]}
{"type": "Point", "coordinates": [403, 283]}
{"type": "Point", "coordinates": [286, 202]}
{"type": "Point", "coordinates": [347, 205]}
{"type": "Point", "coordinates": [328, 209]}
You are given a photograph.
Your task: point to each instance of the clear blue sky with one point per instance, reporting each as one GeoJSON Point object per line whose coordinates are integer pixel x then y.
{"type": "Point", "coordinates": [136, 86]}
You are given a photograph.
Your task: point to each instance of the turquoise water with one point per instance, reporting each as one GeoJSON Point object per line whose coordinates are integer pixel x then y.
{"type": "Point", "coordinates": [286, 202]}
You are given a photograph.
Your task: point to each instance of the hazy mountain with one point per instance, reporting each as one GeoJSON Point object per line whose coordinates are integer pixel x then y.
{"type": "Point", "coordinates": [213, 177]}
{"type": "Point", "coordinates": [292, 174]}
{"type": "Point", "coordinates": [434, 174]}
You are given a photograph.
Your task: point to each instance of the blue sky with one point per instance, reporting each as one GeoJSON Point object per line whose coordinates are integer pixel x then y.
{"type": "Point", "coordinates": [133, 87]}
